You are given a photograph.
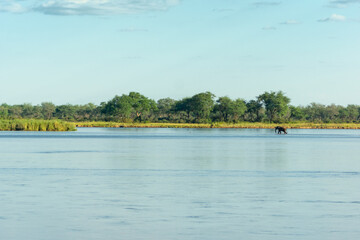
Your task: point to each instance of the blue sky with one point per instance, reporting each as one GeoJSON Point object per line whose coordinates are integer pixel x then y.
{"type": "Point", "coordinates": [80, 51]}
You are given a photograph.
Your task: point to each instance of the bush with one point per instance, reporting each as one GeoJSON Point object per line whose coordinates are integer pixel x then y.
{"type": "Point", "coordinates": [36, 125]}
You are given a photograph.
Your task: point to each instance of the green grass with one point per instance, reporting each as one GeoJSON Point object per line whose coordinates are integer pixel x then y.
{"type": "Point", "coordinates": [221, 125]}
{"type": "Point", "coordinates": [141, 125]}
{"type": "Point", "coordinates": [35, 125]}
{"type": "Point", "coordinates": [57, 125]}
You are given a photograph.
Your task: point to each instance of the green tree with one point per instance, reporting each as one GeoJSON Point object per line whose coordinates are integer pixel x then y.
{"type": "Point", "coordinates": [239, 109]}
{"type": "Point", "coordinates": [255, 111]}
{"type": "Point", "coordinates": [4, 111]}
{"type": "Point", "coordinates": [315, 112]}
{"type": "Point", "coordinates": [86, 112]}
{"type": "Point", "coordinates": [15, 111]}
{"type": "Point", "coordinates": [183, 106]}
{"type": "Point", "coordinates": [65, 112]}
{"type": "Point", "coordinates": [118, 108]}
{"type": "Point", "coordinates": [201, 105]}
{"type": "Point", "coordinates": [141, 105]}
{"type": "Point", "coordinates": [297, 113]}
{"type": "Point", "coordinates": [165, 106]}
{"type": "Point", "coordinates": [47, 109]}
{"type": "Point", "coordinates": [129, 107]}
{"type": "Point", "coordinates": [352, 112]}
{"type": "Point", "coordinates": [276, 105]}
{"type": "Point", "coordinates": [332, 112]}
{"type": "Point", "coordinates": [226, 109]}
{"type": "Point", "coordinates": [30, 111]}
{"type": "Point", "coordinates": [223, 108]}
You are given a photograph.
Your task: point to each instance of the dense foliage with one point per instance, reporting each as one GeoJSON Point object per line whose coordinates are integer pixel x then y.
{"type": "Point", "coordinates": [35, 125]}
{"type": "Point", "coordinates": [200, 108]}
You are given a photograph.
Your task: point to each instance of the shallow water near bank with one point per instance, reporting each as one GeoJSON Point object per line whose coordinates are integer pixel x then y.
{"type": "Point", "coordinates": [105, 183]}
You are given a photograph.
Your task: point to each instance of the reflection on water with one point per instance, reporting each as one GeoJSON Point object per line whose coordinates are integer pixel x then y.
{"type": "Point", "coordinates": [180, 184]}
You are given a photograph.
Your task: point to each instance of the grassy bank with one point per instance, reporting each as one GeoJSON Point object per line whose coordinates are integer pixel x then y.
{"type": "Point", "coordinates": [36, 125]}
{"type": "Point", "coordinates": [56, 125]}
{"type": "Point", "coordinates": [221, 125]}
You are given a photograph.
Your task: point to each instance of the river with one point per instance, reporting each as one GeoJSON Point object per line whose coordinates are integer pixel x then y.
{"type": "Point", "coordinates": [185, 184]}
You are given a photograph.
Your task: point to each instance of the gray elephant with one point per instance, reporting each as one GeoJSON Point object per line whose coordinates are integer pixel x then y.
{"type": "Point", "coordinates": [280, 129]}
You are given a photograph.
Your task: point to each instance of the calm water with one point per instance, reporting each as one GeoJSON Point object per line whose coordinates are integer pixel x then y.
{"type": "Point", "coordinates": [168, 184]}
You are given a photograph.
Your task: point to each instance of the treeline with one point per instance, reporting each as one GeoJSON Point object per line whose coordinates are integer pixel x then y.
{"type": "Point", "coordinates": [200, 108]}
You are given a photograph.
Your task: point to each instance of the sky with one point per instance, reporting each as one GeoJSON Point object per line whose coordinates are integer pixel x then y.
{"type": "Point", "coordinates": [81, 51]}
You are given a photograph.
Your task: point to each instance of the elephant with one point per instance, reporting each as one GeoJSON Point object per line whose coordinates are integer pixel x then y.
{"type": "Point", "coordinates": [280, 129]}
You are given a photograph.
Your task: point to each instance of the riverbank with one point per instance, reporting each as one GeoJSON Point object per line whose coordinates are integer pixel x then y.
{"type": "Point", "coordinates": [220, 125]}
{"type": "Point", "coordinates": [57, 125]}
{"type": "Point", "coordinates": [36, 125]}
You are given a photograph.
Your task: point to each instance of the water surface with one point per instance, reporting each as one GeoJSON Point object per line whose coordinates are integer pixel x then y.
{"type": "Point", "coordinates": [180, 184]}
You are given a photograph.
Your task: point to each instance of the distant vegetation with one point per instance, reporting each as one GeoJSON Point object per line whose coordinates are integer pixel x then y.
{"type": "Point", "coordinates": [303, 125]}
{"type": "Point", "coordinates": [202, 108]}
{"type": "Point", "coordinates": [35, 125]}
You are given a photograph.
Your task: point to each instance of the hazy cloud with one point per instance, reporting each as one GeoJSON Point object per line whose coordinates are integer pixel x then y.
{"type": "Point", "coordinates": [290, 22]}
{"type": "Point", "coordinates": [344, 1]}
{"type": "Point", "coordinates": [87, 7]}
{"type": "Point", "coordinates": [11, 6]}
{"type": "Point", "coordinates": [266, 4]}
{"type": "Point", "coordinates": [341, 3]}
{"type": "Point", "coordinates": [333, 18]}
{"type": "Point", "coordinates": [103, 7]}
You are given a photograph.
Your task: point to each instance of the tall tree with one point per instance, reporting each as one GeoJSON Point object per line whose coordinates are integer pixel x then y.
{"type": "Point", "coordinates": [315, 112]}
{"type": "Point", "coordinates": [227, 109]}
{"type": "Point", "coordinates": [66, 112]}
{"type": "Point", "coordinates": [47, 109]}
{"type": "Point", "coordinates": [223, 108]}
{"type": "Point", "coordinates": [141, 105]}
{"type": "Point", "coordinates": [165, 105]}
{"type": "Point", "coordinates": [30, 111]}
{"type": "Point", "coordinates": [132, 106]}
{"type": "Point", "coordinates": [119, 107]}
{"type": "Point", "coordinates": [276, 104]}
{"type": "Point", "coordinates": [254, 110]}
{"type": "Point", "coordinates": [201, 105]}
{"type": "Point", "coordinates": [183, 106]}
{"type": "Point", "coordinates": [297, 113]}
{"type": "Point", "coordinates": [4, 111]}
{"type": "Point", "coordinates": [239, 109]}
{"type": "Point", "coordinates": [352, 112]}
{"type": "Point", "coordinates": [15, 111]}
